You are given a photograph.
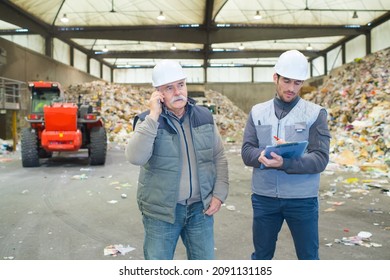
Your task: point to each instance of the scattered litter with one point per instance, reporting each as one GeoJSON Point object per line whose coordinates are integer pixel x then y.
{"type": "Point", "coordinates": [25, 191]}
{"type": "Point", "coordinates": [114, 250]}
{"type": "Point", "coordinates": [80, 177]}
{"type": "Point", "coordinates": [330, 210]}
{"type": "Point", "coordinates": [376, 181]}
{"type": "Point", "coordinates": [328, 172]}
{"type": "Point", "coordinates": [375, 211]}
{"type": "Point", "coordinates": [114, 183]}
{"type": "Point", "coordinates": [329, 193]}
{"type": "Point", "coordinates": [9, 258]}
{"type": "Point", "coordinates": [351, 180]}
{"type": "Point", "coordinates": [231, 207]}
{"type": "Point", "coordinates": [364, 234]}
{"type": "Point", "coordinates": [86, 169]}
{"type": "Point", "coordinates": [112, 201]}
{"type": "Point", "coordinates": [359, 191]}
{"type": "Point", "coordinates": [123, 195]}
{"type": "Point", "coordinates": [6, 147]}
{"type": "Point", "coordinates": [362, 239]}
{"type": "Point", "coordinates": [336, 203]}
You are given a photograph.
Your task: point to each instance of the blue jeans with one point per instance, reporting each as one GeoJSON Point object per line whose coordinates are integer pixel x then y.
{"type": "Point", "coordinates": [195, 229]}
{"type": "Point", "coordinates": [301, 216]}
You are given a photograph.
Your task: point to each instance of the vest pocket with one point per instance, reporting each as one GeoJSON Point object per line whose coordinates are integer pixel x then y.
{"type": "Point", "coordinates": [264, 134]}
{"type": "Point", "coordinates": [297, 132]}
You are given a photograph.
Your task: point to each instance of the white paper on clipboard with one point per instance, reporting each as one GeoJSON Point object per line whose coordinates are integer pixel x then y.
{"type": "Point", "coordinates": [286, 150]}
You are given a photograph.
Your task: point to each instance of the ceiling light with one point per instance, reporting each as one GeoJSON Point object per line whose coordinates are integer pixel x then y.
{"type": "Point", "coordinates": [173, 47]}
{"type": "Point", "coordinates": [64, 19]}
{"type": "Point", "coordinates": [257, 15]}
{"type": "Point", "coordinates": [161, 16]}
{"type": "Point", "coordinates": [355, 15]}
{"type": "Point", "coordinates": [241, 47]}
{"type": "Point", "coordinates": [105, 49]}
{"type": "Point", "coordinates": [21, 30]}
{"type": "Point", "coordinates": [309, 47]}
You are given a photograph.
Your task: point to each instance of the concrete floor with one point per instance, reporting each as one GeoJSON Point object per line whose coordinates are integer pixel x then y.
{"type": "Point", "coordinates": [67, 210]}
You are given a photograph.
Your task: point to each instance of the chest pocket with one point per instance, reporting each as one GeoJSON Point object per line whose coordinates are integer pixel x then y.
{"type": "Point", "coordinates": [264, 134]}
{"type": "Point", "coordinates": [297, 132]}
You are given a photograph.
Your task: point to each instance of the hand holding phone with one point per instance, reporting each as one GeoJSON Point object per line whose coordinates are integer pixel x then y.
{"type": "Point", "coordinates": [155, 104]}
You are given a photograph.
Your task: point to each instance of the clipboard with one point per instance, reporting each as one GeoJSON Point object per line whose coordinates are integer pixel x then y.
{"type": "Point", "coordinates": [287, 150]}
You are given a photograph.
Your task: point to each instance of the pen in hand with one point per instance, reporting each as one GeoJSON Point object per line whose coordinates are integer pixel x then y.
{"type": "Point", "coordinates": [279, 141]}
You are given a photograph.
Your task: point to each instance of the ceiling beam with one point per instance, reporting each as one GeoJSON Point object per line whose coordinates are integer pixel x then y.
{"type": "Point", "coordinates": [255, 54]}
{"type": "Point", "coordinates": [200, 35]}
{"type": "Point", "coordinates": [267, 32]}
{"type": "Point", "coordinates": [14, 15]}
{"type": "Point", "coordinates": [180, 54]}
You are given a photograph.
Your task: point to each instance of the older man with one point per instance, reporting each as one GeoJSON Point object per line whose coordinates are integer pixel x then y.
{"type": "Point", "coordinates": [184, 174]}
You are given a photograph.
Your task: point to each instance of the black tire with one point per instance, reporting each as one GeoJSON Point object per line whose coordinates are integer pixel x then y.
{"type": "Point", "coordinates": [98, 146]}
{"type": "Point", "coordinates": [29, 146]}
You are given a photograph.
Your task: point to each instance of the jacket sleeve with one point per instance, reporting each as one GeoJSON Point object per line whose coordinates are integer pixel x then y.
{"type": "Point", "coordinates": [221, 187]}
{"type": "Point", "coordinates": [316, 158]}
{"type": "Point", "coordinates": [140, 146]}
{"type": "Point", "coordinates": [250, 150]}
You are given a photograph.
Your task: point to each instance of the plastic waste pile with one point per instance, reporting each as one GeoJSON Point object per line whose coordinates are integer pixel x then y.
{"type": "Point", "coordinates": [357, 96]}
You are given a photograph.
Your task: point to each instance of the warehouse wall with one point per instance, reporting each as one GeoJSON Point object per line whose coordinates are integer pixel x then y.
{"type": "Point", "coordinates": [24, 65]}
{"type": "Point", "coordinates": [244, 95]}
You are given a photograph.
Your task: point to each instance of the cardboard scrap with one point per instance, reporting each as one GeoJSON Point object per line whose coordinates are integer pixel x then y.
{"type": "Point", "coordinates": [114, 250]}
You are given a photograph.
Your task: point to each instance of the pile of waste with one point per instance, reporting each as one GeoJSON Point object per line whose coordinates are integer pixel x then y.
{"type": "Point", "coordinates": [357, 97]}
{"type": "Point", "coordinates": [118, 104]}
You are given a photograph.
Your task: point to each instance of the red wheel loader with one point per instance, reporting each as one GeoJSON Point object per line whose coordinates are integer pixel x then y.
{"type": "Point", "coordinates": [59, 126]}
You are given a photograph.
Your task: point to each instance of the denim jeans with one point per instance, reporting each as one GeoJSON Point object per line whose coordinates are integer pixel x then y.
{"type": "Point", "coordinates": [195, 229]}
{"type": "Point", "coordinates": [301, 216]}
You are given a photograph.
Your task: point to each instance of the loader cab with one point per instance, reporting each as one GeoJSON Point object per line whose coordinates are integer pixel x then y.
{"type": "Point", "coordinates": [197, 92]}
{"type": "Point", "coordinates": [43, 93]}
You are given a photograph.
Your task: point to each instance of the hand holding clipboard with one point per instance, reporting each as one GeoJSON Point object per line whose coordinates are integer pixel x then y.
{"type": "Point", "coordinates": [286, 150]}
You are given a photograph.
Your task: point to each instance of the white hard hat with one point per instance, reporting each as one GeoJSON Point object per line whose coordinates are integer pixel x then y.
{"type": "Point", "coordinates": [167, 71]}
{"type": "Point", "coordinates": [292, 64]}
